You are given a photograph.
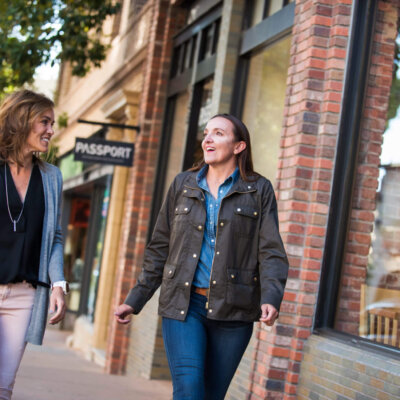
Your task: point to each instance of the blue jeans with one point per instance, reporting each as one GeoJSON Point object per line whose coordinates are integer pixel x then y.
{"type": "Point", "coordinates": [203, 354]}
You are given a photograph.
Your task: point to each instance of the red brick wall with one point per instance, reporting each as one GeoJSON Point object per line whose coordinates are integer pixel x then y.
{"type": "Point", "coordinates": [308, 145]}
{"type": "Point", "coordinates": [166, 21]}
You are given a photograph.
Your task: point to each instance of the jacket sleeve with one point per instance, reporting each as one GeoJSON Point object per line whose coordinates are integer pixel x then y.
{"type": "Point", "coordinates": [56, 262]}
{"type": "Point", "coordinates": [273, 262]}
{"type": "Point", "coordinates": [155, 256]}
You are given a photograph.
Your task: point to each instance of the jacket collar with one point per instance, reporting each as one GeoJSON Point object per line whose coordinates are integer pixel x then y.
{"type": "Point", "coordinates": [240, 186]}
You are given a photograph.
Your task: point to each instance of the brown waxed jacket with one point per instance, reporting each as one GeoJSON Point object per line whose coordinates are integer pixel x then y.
{"type": "Point", "coordinates": [250, 266]}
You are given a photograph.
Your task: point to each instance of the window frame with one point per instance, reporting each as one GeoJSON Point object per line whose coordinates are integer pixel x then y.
{"type": "Point", "coordinates": [258, 37]}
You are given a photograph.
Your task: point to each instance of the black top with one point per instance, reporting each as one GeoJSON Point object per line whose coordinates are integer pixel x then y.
{"type": "Point", "coordinates": [20, 250]}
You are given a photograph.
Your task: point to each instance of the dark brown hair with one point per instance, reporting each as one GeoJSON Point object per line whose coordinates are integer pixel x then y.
{"type": "Point", "coordinates": [18, 112]}
{"type": "Point", "coordinates": [244, 158]}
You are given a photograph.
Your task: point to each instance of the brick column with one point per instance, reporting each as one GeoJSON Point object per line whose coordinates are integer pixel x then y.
{"type": "Point", "coordinates": [166, 21]}
{"type": "Point", "coordinates": [311, 115]}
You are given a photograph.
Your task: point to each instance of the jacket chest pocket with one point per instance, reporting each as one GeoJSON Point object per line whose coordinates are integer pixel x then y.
{"type": "Point", "coordinates": [182, 215]}
{"type": "Point", "coordinates": [245, 220]}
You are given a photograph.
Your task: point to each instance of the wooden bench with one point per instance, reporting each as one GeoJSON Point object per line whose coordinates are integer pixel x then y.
{"type": "Point", "coordinates": [380, 314]}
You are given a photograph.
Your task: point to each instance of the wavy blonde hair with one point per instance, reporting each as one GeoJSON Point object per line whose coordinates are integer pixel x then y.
{"type": "Point", "coordinates": [18, 112]}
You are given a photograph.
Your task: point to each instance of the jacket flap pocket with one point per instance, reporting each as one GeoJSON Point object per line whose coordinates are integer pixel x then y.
{"type": "Point", "coordinates": [169, 271]}
{"type": "Point", "coordinates": [246, 211]}
{"type": "Point", "coordinates": [183, 209]}
{"type": "Point", "coordinates": [190, 192]}
{"type": "Point", "coordinates": [242, 276]}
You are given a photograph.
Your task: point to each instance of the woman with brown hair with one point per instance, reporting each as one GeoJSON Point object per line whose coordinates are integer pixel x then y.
{"type": "Point", "coordinates": [218, 255]}
{"type": "Point", "coordinates": [31, 250]}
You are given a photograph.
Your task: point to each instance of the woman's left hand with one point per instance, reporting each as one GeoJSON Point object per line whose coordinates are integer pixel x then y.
{"type": "Point", "coordinates": [268, 314]}
{"type": "Point", "coordinates": [57, 304]}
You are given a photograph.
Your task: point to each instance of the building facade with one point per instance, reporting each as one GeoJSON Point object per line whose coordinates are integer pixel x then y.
{"type": "Point", "coordinates": [313, 81]}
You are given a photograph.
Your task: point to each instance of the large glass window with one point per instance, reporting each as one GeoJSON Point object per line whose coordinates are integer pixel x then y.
{"type": "Point", "coordinates": [369, 297]}
{"type": "Point", "coordinates": [178, 138]}
{"type": "Point", "coordinates": [264, 102]}
{"type": "Point", "coordinates": [204, 116]}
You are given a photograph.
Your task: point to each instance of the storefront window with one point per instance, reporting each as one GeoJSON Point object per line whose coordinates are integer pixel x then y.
{"type": "Point", "coordinates": [369, 297]}
{"type": "Point", "coordinates": [264, 102]}
{"type": "Point", "coordinates": [95, 273]}
{"type": "Point", "coordinates": [204, 116]}
{"type": "Point", "coordinates": [178, 138]}
{"type": "Point", "coordinates": [75, 249]}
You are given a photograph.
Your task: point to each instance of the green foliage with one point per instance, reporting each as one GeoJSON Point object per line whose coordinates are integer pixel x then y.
{"type": "Point", "coordinates": [394, 99]}
{"type": "Point", "coordinates": [51, 155]}
{"type": "Point", "coordinates": [33, 32]}
{"type": "Point", "coordinates": [62, 120]}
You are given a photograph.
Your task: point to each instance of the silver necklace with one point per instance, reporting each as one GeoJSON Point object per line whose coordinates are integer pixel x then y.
{"type": "Point", "coordinates": [14, 221]}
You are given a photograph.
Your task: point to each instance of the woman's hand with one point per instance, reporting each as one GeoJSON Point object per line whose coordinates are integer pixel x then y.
{"type": "Point", "coordinates": [268, 314]}
{"type": "Point", "coordinates": [121, 313]}
{"type": "Point", "coordinates": [57, 304]}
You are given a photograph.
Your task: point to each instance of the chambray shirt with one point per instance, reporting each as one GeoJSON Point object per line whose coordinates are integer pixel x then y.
{"type": "Point", "coordinates": [203, 270]}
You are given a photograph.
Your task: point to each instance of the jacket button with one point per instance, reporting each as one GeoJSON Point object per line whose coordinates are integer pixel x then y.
{"type": "Point", "coordinates": [217, 253]}
{"type": "Point", "coordinates": [182, 312]}
{"type": "Point", "coordinates": [255, 213]}
{"type": "Point", "coordinates": [232, 276]}
{"type": "Point", "coordinates": [214, 282]}
{"type": "Point", "coordinates": [239, 209]}
{"type": "Point", "coordinates": [170, 271]}
{"type": "Point", "coordinates": [195, 255]}
{"type": "Point", "coordinates": [210, 311]}
{"type": "Point", "coordinates": [186, 283]}
{"type": "Point", "coordinates": [176, 209]}
{"type": "Point", "coordinates": [199, 227]}
{"type": "Point", "coordinates": [255, 279]}
{"type": "Point", "coordinates": [248, 187]}
{"type": "Point", "coordinates": [185, 209]}
{"type": "Point", "coordinates": [185, 191]}
{"type": "Point", "coordinates": [221, 224]}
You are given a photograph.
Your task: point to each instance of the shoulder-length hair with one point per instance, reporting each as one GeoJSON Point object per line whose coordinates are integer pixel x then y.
{"type": "Point", "coordinates": [244, 158]}
{"type": "Point", "coordinates": [18, 112]}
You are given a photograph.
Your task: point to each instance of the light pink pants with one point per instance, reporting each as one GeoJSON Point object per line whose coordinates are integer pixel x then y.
{"type": "Point", "coordinates": [16, 303]}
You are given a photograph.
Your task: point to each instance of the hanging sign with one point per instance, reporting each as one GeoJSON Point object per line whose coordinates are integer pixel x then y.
{"type": "Point", "coordinates": [104, 152]}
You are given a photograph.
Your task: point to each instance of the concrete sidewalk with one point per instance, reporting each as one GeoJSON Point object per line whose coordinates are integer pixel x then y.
{"type": "Point", "coordinates": [53, 371]}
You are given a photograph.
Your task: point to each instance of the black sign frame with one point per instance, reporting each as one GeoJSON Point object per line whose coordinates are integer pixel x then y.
{"type": "Point", "coordinates": [104, 151]}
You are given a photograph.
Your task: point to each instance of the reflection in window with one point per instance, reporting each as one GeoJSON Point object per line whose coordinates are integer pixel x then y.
{"type": "Point", "coordinates": [204, 116]}
{"type": "Point", "coordinates": [178, 138]}
{"type": "Point", "coordinates": [264, 102]}
{"type": "Point", "coordinates": [96, 262]}
{"type": "Point", "coordinates": [369, 297]}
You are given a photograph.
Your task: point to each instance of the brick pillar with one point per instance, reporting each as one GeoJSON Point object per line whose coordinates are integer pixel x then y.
{"type": "Point", "coordinates": [166, 21]}
{"type": "Point", "coordinates": [311, 115]}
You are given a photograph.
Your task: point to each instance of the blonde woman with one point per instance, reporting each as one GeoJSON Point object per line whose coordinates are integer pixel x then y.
{"type": "Point", "coordinates": [31, 250]}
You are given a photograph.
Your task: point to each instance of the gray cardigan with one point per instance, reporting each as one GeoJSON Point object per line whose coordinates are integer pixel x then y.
{"type": "Point", "coordinates": [51, 252]}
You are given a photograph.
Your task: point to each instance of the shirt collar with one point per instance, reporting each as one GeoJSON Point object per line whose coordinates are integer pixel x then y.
{"type": "Point", "coordinates": [201, 177]}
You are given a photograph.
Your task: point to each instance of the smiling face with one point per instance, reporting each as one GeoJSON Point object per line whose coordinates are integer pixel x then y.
{"type": "Point", "coordinates": [220, 146]}
{"type": "Point", "coordinates": [41, 133]}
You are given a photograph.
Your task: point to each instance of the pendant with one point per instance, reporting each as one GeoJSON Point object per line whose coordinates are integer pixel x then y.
{"type": "Point", "coordinates": [15, 225]}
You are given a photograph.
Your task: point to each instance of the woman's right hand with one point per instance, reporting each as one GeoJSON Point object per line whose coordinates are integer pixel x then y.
{"type": "Point", "coordinates": [122, 312]}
